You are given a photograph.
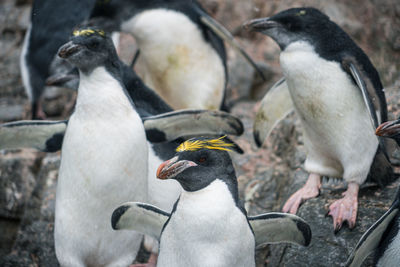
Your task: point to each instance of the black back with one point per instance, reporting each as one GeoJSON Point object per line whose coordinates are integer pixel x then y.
{"type": "Point", "coordinates": [52, 22]}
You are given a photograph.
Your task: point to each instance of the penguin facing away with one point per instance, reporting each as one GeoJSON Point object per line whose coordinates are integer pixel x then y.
{"type": "Point", "coordinates": [383, 237]}
{"type": "Point", "coordinates": [337, 94]}
{"type": "Point", "coordinates": [179, 44]}
{"type": "Point", "coordinates": [49, 29]}
{"type": "Point", "coordinates": [208, 225]}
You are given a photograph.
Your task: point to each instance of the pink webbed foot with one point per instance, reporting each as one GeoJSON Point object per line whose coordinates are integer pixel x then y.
{"type": "Point", "coordinates": [309, 190]}
{"type": "Point", "coordinates": [345, 209]}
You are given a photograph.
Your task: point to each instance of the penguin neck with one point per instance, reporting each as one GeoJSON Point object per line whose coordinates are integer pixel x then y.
{"type": "Point", "coordinates": [216, 196]}
{"type": "Point", "coordinates": [101, 91]}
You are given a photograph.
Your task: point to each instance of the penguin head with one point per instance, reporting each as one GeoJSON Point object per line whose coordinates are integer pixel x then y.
{"type": "Point", "coordinates": [292, 25]}
{"type": "Point", "coordinates": [200, 161]}
{"type": "Point", "coordinates": [390, 129]}
{"type": "Point", "coordinates": [88, 49]}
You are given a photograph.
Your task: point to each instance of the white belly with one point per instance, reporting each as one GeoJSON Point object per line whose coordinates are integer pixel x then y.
{"type": "Point", "coordinates": [338, 132]}
{"type": "Point", "coordinates": [207, 229]}
{"type": "Point", "coordinates": [391, 257]}
{"type": "Point", "coordinates": [176, 61]}
{"type": "Point", "coordinates": [103, 164]}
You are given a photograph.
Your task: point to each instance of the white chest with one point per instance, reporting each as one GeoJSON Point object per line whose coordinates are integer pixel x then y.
{"type": "Point", "coordinates": [101, 136]}
{"type": "Point", "coordinates": [320, 89]}
{"type": "Point", "coordinates": [176, 60]}
{"type": "Point", "coordinates": [103, 164]}
{"type": "Point", "coordinates": [207, 229]}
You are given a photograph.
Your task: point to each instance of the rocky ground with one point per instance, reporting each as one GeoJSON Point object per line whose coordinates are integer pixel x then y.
{"type": "Point", "coordinates": [267, 176]}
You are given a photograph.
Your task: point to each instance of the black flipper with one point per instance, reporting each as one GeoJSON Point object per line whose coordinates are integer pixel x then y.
{"type": "Point", "coordinates": [141, 217]}
{"type": "Point", "coordinates": [370, 95]}
{"type": "Point", "coordinates": [278, 227]}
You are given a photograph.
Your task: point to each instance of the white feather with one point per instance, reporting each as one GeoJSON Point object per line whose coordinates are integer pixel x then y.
{"type": "Point", "coordinates": [24, 65]}
{"type": "Point", "coordinates": [176, 61]}
{"type": "Point", "coordinates": [103, 164]}
{"type": "Point", "coordinates": [337, 130]}
{"type": "Point", "coordinates": [207, 229]}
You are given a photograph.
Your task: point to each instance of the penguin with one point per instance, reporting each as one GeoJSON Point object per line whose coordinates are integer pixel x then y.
{"type": "Point", "coordinates": [161, 124]}
{"type": "Point", "coordinates": [339, 99]}
{"type": "Point", "coordinates": [179, 44]}
{"type": "Point", "coordinates": [97, 148]}
{"type": "Point", "coordinates": [208, 225]}
{"type": "Point", "coordinates": [383, 237]}
{"type": "Point", "coordinates": [50, 27]}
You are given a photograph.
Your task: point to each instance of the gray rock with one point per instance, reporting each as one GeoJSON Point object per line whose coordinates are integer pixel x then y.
{"type": "Point", "coordinates": [16, 184]}
{"type": "Point", "coordinates": [34, 245]}
{"type": "Point", "coordinates": [11, 110]}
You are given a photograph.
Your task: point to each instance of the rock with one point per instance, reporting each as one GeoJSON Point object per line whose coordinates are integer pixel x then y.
{"type": "Point", "coordinates": [16, 184]}
{"type": "Point", "coordinates": [34, 245]}
{"type": "Point", "coordinates": [11, 110]}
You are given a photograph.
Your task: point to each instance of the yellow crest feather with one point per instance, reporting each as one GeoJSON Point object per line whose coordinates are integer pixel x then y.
{"type": "Point", "coordinates": [194, 145]}
{"type": "Point", "coordinates": [88, 32]}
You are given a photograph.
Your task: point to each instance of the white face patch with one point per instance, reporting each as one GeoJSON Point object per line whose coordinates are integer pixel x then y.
{"type": "Point", "coordinates": [176, 61]}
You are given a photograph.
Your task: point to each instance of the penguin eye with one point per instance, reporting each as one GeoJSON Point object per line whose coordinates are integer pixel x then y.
{"type": "Point", "coordinates": [202, 159]}
{"type": "Point", "coordinates": [93, 45]}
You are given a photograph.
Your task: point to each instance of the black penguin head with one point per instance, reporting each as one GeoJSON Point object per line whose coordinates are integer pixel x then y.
{"type": "Point", "coordinates": [88, 49]}
{"type": "Point", "coordinates": [292, 25]}
{"type": "Point", "coordinates": [390, 129]}
{"type": "Point", "coordinates": [200, 161]}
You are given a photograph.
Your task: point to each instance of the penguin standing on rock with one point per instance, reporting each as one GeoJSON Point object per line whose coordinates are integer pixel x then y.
{"type": "Point", "coordinates": [338, 96]}
{"type": "Point", "coordinates": [92, 51]}
{"type": "Point", "coordinates": [182, 56]}
{"type": "Point", "coordinates": [96, 153]}
{"type": "Point", "coordinates": [383, 236]}
{"type": "Point", "coordinates": [208, 225]}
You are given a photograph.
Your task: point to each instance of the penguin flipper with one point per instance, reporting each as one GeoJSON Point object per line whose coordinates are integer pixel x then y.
{"type": "Point", "coordinates": [224, 34]}
{"type": "Point", "coordinates": [372, 237]}
{"type": "Point", "coordinates": [45, 136]}
{"type": "Point", "coordinates": [275, 106]}
{"type": "Point", "coordinates": [370, 96]}
{"type": "Point", "coordinates": [141, 217]}
{"type": "Point", "coordinates": [278, 227]}
{"type": "Point", "coordinates": [183, 123]}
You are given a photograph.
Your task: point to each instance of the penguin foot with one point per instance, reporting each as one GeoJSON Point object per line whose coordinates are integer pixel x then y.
{"type": "Point", "coordinates": [345, 209]}
{"type": "Point", "coordinates": [309, 190]}
{"type": "Point", "coordinates": [152, 262]}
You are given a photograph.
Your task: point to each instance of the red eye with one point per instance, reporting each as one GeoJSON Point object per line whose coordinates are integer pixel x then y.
{"type": "Point", "coordinates": [203, 159]}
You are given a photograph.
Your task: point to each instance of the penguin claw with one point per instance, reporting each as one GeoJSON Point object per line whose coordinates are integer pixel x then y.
{"type": "Point", "coordinates": [344, 210]}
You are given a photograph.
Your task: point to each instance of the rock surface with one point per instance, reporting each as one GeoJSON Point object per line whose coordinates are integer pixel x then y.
{"type": "Point", "coordinates": [267, 176]}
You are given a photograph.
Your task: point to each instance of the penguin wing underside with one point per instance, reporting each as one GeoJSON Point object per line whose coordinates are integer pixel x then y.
{"type": "Point", "coordinates": [141, 217]}
{"type": "Point", "coordinates": [275, 106]}
{"type": "Point", "coordinates": [45, 136]}
{"type": "Point", "coordinates": [225, 35]}
{"type": "Point", "coordinates": [186, 123]}
{"type": "Point", "coordinates": [371, 238]}
{"type": "Point", "coordinates": [278, 227]}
